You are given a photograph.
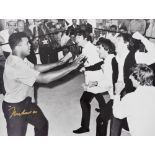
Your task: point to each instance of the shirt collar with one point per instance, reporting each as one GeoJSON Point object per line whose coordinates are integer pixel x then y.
{"type": "Point", "coordinates": [143, 88]}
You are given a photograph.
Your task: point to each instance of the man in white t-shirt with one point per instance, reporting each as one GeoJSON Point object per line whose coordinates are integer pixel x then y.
{"type": "Point", "coordinates": [19, 78]}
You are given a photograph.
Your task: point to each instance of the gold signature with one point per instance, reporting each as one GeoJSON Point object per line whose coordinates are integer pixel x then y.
{"type": "Point", "coordinates": [14, 113]}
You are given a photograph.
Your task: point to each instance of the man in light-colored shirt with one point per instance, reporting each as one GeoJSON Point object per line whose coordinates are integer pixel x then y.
{"type": "Point", "coordinates": [112, 35]}
{"type": "Point", "coordinates": [138, 106]}
{"type": "Point", "coordinates": [142, 57]}
{"type": "Point", "coordinates": [5, 35]}
{"type": "Point", "coordinates": [92, 72]}
{"type": "Point", "coordinates": [19, 78]}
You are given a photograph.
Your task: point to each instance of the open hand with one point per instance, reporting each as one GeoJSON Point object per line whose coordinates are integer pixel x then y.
{"type": "Point", "coordinates": [76, 63]}
{"type": "Point", "coordinates": [92, 84]}
{"type": "Point", "coordinates": [66, 58]}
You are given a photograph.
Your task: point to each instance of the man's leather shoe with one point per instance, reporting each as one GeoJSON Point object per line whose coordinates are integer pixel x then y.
{"type": "Point", "coordinates": [81, 130]}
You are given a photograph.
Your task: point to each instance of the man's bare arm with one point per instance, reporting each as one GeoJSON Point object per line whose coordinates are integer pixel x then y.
{"type": "Point", "coordinates": [45, 67]}
{"type": "Point", "coordinates": [55, 75]}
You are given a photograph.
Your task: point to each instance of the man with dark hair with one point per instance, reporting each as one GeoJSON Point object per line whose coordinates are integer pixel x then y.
{"type": "Point", "coordinates": [129, 54]}
{"type": "Point", "coordinates": [74, 27]}
{"type": "Point", "coordinates": [107, 53]}
{"type": "Point", "coordinates": [21, 27]}
{"type": "Point", "coordinates": [112, 35]}
{"type": "Point", "coordinates": [72, 50]}
{"type": "Point", "coordinates": [93, 75]}
{"type": "Point", "coordinates": [19, 78]}
{"type": "Point", "coordinates": [138, 106]}
{"type": "Point", "coordinates": [114, 29]}
{"type": "Point", "coordinates": [85, 26]}
{"type": "Point", "coordinates": [123, 29]}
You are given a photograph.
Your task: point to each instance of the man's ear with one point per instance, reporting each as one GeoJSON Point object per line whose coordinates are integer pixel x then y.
{"type": "Point", "coordinates": [16, 48]}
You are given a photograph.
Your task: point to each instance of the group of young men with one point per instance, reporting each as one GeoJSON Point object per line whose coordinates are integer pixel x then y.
{"type": "Point", "coordinates": [126, 72]}
{"type": "Point", "coordinates": [121, 65]}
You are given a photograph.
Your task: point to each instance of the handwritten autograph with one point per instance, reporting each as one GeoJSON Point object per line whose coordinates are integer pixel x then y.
{"type": "Point", "coordinates": [14, 113]}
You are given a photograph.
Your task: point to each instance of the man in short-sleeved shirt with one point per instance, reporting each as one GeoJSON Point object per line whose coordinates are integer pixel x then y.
{"type": "Point", "coordinates": [19, 77]}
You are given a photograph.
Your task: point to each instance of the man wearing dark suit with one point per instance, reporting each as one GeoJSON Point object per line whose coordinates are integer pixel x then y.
{"type": "Point", "coordinates": [85, 26]}
{"type": "Point", "coordinates": [74, 27]}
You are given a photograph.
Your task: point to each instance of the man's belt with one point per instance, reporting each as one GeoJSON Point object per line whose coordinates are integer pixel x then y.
{"type": "Point", "coordinates": [94, 67]}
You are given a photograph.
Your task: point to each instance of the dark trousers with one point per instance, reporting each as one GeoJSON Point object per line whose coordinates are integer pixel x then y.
{"type": "Point", "coordinates": [18, 115]}
{"type": "Point", "coordinates": [117, 125]}
{"type": "Point", "coordinates": [48, 54]}
{"type": "Point", "coordinates": [44, 52]}
{"type": "Point", "coordinates": [103, 118]}
{"type": "Point", "coordinates": [85, 101]}
{"type": "Point", "coordinates": [2, 89]}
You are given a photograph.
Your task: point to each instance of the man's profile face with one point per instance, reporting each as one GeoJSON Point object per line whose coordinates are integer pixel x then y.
{"type": "Point", "coordinates": [24, 46]}
{"type": "Point", "coordinates": [20, 26]}
{"type": "Point", "coordinates": [103, 51]}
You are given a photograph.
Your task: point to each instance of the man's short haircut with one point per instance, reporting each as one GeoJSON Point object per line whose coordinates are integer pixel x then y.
{"type": "Point", "coordinates": [143, 74]}
{"type": "Point", "coordinates": [126, 37]}
{"type": "Point", "coordinates": [108, 44]}
{"type": "Point", "coordinates": [134, 44]}
{"type": "Point", "coordinates": [72, 33]}
{"type": "Point", "coordinates": [84, 34]}
{"type": "Point", "coordinates": [16, 38]}
{"type": "Point", "coordinates": [113, 26]}
{"type": "Point", "coordinates": [20, 20]}
{"type": "Point", "coordinates": [123, 28]}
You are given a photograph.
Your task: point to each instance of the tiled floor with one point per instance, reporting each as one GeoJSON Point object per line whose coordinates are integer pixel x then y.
{"type": "Point", "coordinates": [60, 104]}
